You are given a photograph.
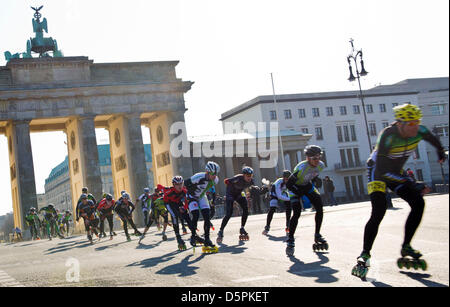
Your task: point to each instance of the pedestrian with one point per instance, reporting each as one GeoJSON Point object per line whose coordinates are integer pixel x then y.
{"type": "Point", "coordinates": [328, 189]}
{"type": "Point", "coordinates": [395, 144]}
{"type": "Point", "coordinates": [255, 195]}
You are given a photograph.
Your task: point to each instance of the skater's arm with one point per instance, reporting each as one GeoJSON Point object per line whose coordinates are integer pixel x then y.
{"type": "Point", "coordinates": [279, 192]}
{"type": "Point", "coordinates": [433, 140]}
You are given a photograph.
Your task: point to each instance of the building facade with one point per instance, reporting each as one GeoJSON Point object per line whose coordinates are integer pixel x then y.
{"type": "Point", "coordinates": [336, 122]}
{"type": "Point", "coordinates": [57, 185]}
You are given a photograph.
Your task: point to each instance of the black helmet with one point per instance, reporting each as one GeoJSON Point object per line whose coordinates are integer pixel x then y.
{"type": "Point", "coordinates": [84, 190]}
{"type": "Point", "coordinates": [247, 170]}
{"type": "Point", "coordinates": [286, 173]}
{"type": "Point", "coordinates": [83, 196]}
{"type": "Point", "coordinates": [51, 206]}
{"type": "Point", "coordinates": [312, 150]}
{"type": "Point", "coordinates": [67, 212]}
{"type": "Point", "coordinates": [108, 197]}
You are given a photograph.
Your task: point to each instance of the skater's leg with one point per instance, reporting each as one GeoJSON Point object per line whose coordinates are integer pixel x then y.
{"type": "Point", "coordinates": [297, 209]}
{"type": "Point", "coordinates": [110, 223]}
{"type": "Point", "coordinates": [316, 200]}
{"type": "Point", "coordinates": [228, 212]}
{"type": "Point", "coordinates": [270, 215]}
{"type": "Point", "coordinates": [242, 201]}
{"type": "Point", "coordinates": [379, 207]}
{"type": "Point", "coordinates": [417, 204]}
{"type": "Point", "coordinates": [288, 212]}
{"type": "Point", "coordinates": [195, 217]}
{"type": "Point", "coordinates": [206, 223]}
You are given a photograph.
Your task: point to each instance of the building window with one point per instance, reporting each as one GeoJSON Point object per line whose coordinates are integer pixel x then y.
{"type": "Point", "coordinates": [353, 132]}
{"type": "Point", "coordinates": [419, 175]}
{"type": "Point", "coordinates": [372, 129]}
{"type": "Point", "coordinates": [382, 108]}
{"type": "Point", "coordinates": [287, 114]}
{"type": "Point", "coordinates": [438, 109]}
{"type": "Point", "coordinates": [305, 130]}
{"type": "Point", "coordinates": [301, 113]}
{"type": "Point", "coordinates": [319, 135]}
{"type": "Point", "coordinates": [356, 109]}
{"type": "Point", "coordinates": [339, 134]}
{"type": "Point", "coordinates": [273, 115]}
{"type": "Point", "coordinates": [315, 112]}
{"type": "Point", "coordinates": [369, 108]}
{"type": "Point", "coordinates": [394, 104]}
{"type": "Point", "coordinates": [324, 158]}
{"type": "Point", "coordinates": [343, 110]}
{"type": "Point", "coordinates": [384, 124]}
{"type": "Point", "coordinates": [346, 134]}
{"type": "Point", "coordinates": [441, 130]}
{"type": "Point", "coordinates": [329, 111]}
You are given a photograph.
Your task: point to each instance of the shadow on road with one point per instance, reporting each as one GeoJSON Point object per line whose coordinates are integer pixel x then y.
{"type": "Point", "coordinates": [149, 246]}
{"type": "Point", "coordinates": [151, 262]}
{"type": "Point", "coordinates": [233, 249]}
{"type": "Point", "coordinates": [316, 269]}
{"type": "Point", "coordinates": [277, 239]}
{"type": "Point", "coordinates": [422, 278]}
{"type": "Point", "coordinates": [183, 268]}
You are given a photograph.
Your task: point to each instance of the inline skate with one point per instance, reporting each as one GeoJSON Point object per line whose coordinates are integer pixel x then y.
{"type": "Point", "coordinates": [362, 266]}
{"type": "Point", "coordinates": [410, 258]}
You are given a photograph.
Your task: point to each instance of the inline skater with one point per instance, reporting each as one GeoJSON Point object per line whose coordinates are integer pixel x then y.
{"type": "Point", "coordinates": [87, 210]}
{"type": "Point", "coordinates": [174, 199]}
{"type": "Point", "coordinates": [64, 221]}
{"type": "Point", "coordinates": [145, 200]}
{"type": "Point", "coordinates": [50, 216]}
{"type": "Point", "coordinates": [395, 144]}
{"type": "Point", "coordinates": [300, 184]}
{"type": "Point", "coordinates": [105, 209]}
{"type": "Point", "coordinates": [197, 186]}
{"type": "Point", "coordinates": [158, 208]}
{"type": "Point", "coordinates": [34, 223]}
{"type": "Point", "coordinates": [124, 208]}
{"type": "Point", "coordinates": [279, 192]}
{"type": "Point", "coordinates": [235, 187]}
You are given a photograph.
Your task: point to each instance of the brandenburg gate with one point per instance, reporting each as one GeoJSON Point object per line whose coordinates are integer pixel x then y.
{"type": "Point", "coordinates": [76, 95]}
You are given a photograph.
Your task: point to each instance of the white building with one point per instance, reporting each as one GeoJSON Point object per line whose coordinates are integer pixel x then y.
{"type": "Point", "coordinates": [336, 121]}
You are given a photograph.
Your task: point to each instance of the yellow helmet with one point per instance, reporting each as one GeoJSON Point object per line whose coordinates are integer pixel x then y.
{"type": "Point", "coordinates": [407, 112]}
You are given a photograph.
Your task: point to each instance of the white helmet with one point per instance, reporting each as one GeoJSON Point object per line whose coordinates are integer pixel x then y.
{"type": "Point", "coordinates": [212, 168]}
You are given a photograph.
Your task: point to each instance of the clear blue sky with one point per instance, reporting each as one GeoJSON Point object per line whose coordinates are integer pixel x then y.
{"type": "Point", "coordinates": [229, 48]}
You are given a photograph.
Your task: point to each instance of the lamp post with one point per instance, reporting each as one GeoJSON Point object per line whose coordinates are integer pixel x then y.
{"type": "Point", "coordinates": [359, 73]}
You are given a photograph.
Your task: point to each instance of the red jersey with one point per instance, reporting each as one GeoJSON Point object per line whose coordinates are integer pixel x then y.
{"type": "Point", "coordinates": [171, 196]}
{"type": "Point", "coordinates": [103, 205]}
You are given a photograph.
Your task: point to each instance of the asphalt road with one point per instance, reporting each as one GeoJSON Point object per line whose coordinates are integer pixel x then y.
{"type": "Point", "coordinates": [259, 262]}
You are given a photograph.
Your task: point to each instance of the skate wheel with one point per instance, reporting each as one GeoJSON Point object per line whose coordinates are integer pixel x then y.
{"type": "Point", "coordinates": [326, 246]}
{"type": "Point", "coordinates": [400, 263]}
{"type": "Point", "coordinates": [423, 265]}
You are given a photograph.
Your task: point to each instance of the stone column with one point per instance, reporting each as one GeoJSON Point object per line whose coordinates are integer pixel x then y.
{"type": "Point", "coordinates": [128, 166]}
{"type": "Point", "coordinates": [84, 167]}
{"type": "Point", "coordinates": [23, 186]}
{"type": "Point", "coordinates": [293, 158]}
{"type": "Point", "coordinates": [170, 162]}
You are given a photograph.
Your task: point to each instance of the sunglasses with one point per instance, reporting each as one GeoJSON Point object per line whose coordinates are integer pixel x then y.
{"type": "Point", "coordinates": [315, 158]}
{"type": "Point", "coordinates": [412, 123]}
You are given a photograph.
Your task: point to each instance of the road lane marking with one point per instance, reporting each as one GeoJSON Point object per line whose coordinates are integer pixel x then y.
{"type": "Point", "coordinates": [8, 281]}
{"type": "Point", "coordinates": [254, 278]}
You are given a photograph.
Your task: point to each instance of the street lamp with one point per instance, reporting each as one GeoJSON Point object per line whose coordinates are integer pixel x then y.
{"type": "Point", "coordinates": [359, 73]}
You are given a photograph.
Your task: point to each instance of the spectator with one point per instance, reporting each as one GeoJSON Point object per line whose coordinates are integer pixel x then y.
{"type": "Point", "coordinates": [328, 188]}
{"type": "Point", "coordinates": [255, 195]}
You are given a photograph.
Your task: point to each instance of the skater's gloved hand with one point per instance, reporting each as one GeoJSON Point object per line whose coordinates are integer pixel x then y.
{"type": "Point", "coordinates": [425, 190]}
{"type": "Point", "coordinates": [226, 181]}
